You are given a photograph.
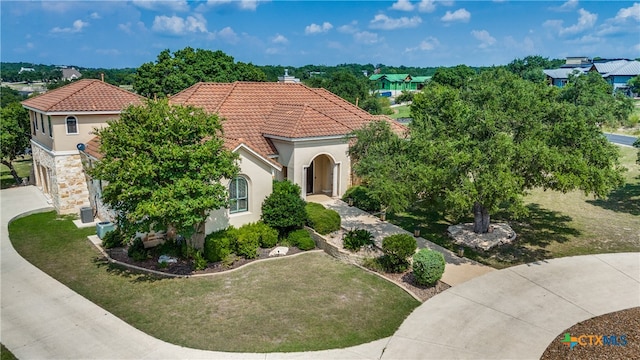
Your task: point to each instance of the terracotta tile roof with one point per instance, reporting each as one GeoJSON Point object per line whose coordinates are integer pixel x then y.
{"type": "Point", "coordinates": [92, 148]}
{"type": "Point", "coordinates": [254, 111]}
{"type": "Point", "coordinates": [84, 95]}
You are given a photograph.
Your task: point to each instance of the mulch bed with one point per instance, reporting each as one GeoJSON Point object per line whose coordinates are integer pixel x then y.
{"type": "Point", "coordinates": [185, 267]}
{"type": "Point", "coordinates": [625, 322]}
{"type": "Point", "coordinates": [424, 293]}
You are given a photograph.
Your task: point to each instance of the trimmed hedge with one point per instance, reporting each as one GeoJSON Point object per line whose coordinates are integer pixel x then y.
{"type": "Point", "coordinates": [362, 199]}
{"type": "Point", "coordinates": [397, 249]}
{"type": "Point", "coordinates": [301, 239]}
{"type": "Point", "coordinates": [220, 244]}
{"type": "Point", "coordinates": [321, 219]}
{"type": "Point", "coordinates": [428, 266]}
{"type": "Point", "coordinates": [284, 210]}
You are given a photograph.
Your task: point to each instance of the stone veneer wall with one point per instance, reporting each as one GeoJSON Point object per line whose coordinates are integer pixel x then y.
{"type": "Point", "coordinates": [331, 249]}
{"type": "Point", "coordinates": [73, 192]}
{"type": "Point", "coordinates": [67, 184]}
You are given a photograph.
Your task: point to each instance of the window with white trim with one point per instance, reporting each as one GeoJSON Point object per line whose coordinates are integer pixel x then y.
{"type": "Point", "coordinates": [238, 195]}
{"type": "Point", "coordinates": [42, 123]}
{"type": "Point", "coordinates": [50, 128]}
{"type": "Point", "coordinates": [72, 125]}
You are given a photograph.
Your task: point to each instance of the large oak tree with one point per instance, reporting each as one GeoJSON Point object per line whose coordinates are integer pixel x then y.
{"type": "Point", "coordinates": [480, 145]}
{"type": "Point", "coordinates": [163, 165]}
{"type": "Point", "coordinates": [172, 73]}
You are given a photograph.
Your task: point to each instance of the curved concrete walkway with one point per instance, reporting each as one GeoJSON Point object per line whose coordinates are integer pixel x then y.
{"type": "Point", "coordinates": [511, 313]}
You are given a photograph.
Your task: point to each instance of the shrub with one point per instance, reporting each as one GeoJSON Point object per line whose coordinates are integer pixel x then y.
{"type": "Point", "coordinates": [220, 244]}
{"type": "Point", "coordinates": [405, 96]}
{"type": "Point", "coordinates": [397, 249]}
{"type": "Point", "coordinates": [301, 239]}
{"type": "Point", "coordinates": [137, 251]}
{"type": "Point", "coordinates": [284, 210]}
{"type": "Point", "coordinates": [362, 198]}
{"type": "Point", "coordinates": [428, 266]}
{"type": "Point", "coordinates": [355, 239]}
{"type": "Point", "coordinates": [199, 262]}
{"type": "Point", "coordinates": [113, 239]}
{"type": "Point", "coordinates": [248, 242]}
{"type": "Point", "coordinates": [268, 236]}
{"type": "Point", "coordinates": [321, 219]}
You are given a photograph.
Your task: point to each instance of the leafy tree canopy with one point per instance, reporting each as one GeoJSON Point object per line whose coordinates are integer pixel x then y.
{"type": "Point", "coordinates": [482, 147]}
{"type": "Point", "coordinates": [456, 76]}
{"type": "Point", "coordinates": [172, 73]}
{"type": "Point", "coordinates": [530, 68]}
{"type": "Point", "coordinates": [14, 134]}
{"type": "Point", "coordinates": [164, 165]}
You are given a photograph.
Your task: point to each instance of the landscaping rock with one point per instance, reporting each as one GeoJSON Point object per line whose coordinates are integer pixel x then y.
{"type": "Point", "coordinates": [167, 259]}
{"type": "Point", "coordinates": [499, 234]}
{"type": "Point", "coordinates": [279, 251]}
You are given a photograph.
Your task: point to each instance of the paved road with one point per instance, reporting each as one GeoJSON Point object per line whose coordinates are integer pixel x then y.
{"type": "Point", "coordinates": [510, 313]}
{"type": "Point", "coordinates": [621, 139]}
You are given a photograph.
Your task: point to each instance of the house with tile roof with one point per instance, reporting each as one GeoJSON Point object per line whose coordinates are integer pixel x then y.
{"type": "Point", "coordinates": [280, 131]}
{"type": "Point", "coordinates": [290, 130]}
{"type": "Point", "coordinates": [62, 120]}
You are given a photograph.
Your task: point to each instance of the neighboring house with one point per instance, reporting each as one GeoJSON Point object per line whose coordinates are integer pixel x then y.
{"type": "Point", "coordinates": [24, 69]}
{"type": "Point", "coordinates": [395, 84]}
{"type": "Point", "coordinates": [60, 120]}
{"type": "Point", "coordinates": [279, 130]}
{"type": "Point", "coordinates": [616, 72]}
{"type": "Point", "coordinates": [69, 74]}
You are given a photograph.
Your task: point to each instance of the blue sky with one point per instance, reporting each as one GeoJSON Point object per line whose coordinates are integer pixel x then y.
{"type": "Point", "coordinates": [116, 34]}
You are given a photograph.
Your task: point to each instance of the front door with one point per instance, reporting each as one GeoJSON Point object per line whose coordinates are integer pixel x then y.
{"type": "Point", "coordinates": [310, 178]}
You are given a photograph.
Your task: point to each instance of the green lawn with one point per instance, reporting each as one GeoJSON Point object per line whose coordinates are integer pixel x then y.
{"type": "Point", "coordinates": [5, 354]}
{"type": "Point", "coordinates": [403, 111]}
{"type": "Point", "coordinates": [558, 224]}
{"type": "Point", "coordinates": [23, 168]}
{"type": "Point", "coordinates": [308, 302]}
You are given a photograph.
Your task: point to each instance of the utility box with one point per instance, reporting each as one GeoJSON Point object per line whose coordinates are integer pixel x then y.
{"type": "Point", "coordinates": [86, 214]}
{"type": "Point", "coordinates": [102, 228]}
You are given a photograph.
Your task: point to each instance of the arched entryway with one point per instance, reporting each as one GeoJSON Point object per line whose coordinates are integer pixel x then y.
{"type": "Point", "coordinates": [321, 176]}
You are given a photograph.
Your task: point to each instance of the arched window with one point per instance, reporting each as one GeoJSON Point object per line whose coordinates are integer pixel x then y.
{"type": "Point", "coordinates": [72, 125]}
{"type": "Point", "coordinates": [238, 195]}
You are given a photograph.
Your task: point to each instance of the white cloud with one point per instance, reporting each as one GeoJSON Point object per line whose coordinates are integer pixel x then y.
{"type": "Point", "coordinates": [279, 39]}
{"type": "Point", "coordinates": [127, 27]}
{"type": "Point", "coordinates": [366, 37]}
{"type": "Point", "coordinates": [384, 22]}
{"type": "Point", "coordinates": [586, 21]}
{"type": "Point", "coordinates": [250, 5]}
{"type": "Point", "coordinates": [156, 5]}
{"type": "Point", "coordinates": [77, 27]}
{"type": "Point", "coordinates": [485, 38]}
{"type": "Point", "coordinates": [95, 15]}
{"type": "Point", "coordinates": [316, 29]}
{"type": "Point", "coordinates": [349, 28]}
{"type": "Point", "coordinates": [458, 15]}
{"type": "Point", "coordinates": [180, 26]}
{"type": "Point", "coordinates": [427, 6]}
{"type": "Point", "coordinates": [570, 5]}
{"type": "Point", "coordinates": [227, 34]}
{"type": "Point", "coordinates": [632, 12]}
{"type": "Point", "coordinates": [427, 44]}
{"type": "Point", "coordinates": [403, 5]}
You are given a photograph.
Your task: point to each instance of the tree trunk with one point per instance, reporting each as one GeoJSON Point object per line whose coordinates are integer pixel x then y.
{"type": "Point", "coordinates": [197, 240]}
{"type": "Point", "coordinates": [9, 164]}
{"type": "Point", "coordinates": [480, 219]}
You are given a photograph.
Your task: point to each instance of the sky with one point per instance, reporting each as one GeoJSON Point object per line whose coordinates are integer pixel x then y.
{"type": "Point", "coordinates": [427, 33]}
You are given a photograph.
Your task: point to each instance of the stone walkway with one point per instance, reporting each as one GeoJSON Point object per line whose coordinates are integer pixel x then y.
{"type": "Point", "coordinates": [457, 269]}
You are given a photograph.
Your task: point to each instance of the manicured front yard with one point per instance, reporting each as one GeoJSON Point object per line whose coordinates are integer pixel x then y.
{"type": "Point", "coordinates": [307, 302]}
{"type": "Point", "coordinates": [558, 224]}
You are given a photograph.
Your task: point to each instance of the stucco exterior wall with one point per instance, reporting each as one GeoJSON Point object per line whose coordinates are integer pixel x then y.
{"type": "Point", "coordinates": [86, 126]}
{"type": "Point", "coordinates": [259, 176]}
{"type": "Point", "coordinates": [298, 155]}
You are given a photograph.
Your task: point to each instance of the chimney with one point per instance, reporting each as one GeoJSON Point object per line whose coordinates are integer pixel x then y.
{"type": "Point", "coordinates": [102, 77]}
